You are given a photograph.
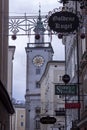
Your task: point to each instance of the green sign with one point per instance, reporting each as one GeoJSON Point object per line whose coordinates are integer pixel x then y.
{"type": "Point", "coordinates": [65, 89]}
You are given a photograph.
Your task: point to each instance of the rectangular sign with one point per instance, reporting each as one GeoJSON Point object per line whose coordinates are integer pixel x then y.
{"type": "Point", "coordinates": [65, 89]}
{"type": "Point", "coordinates": [72, 105]}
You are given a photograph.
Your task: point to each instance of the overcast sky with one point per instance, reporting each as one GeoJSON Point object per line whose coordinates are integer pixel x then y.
{"type": "Point", "coordinates": [17, 8]}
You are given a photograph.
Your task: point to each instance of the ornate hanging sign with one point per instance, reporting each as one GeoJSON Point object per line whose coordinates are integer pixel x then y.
{"type": "Point", "coordinates": [63, 22]}
{"type": "Point", "coordinates": [48, 120]}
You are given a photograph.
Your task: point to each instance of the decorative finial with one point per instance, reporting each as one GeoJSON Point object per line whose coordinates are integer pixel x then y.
{"type": "Point", "coordinates": [39, 10]}
{"type": "Point", "coordinates": [39, 6]}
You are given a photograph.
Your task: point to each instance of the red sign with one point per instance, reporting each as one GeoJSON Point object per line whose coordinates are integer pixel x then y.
{"type": "Point", "coordinates": [72, 105]}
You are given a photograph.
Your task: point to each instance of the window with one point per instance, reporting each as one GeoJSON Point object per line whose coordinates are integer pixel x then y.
{"type": "Point", "coordinates": [22, 123]}
{"type": "Point", "coordinates": [61, 96]}
{"type": "Point", "coordinates": [60, 112]}
{"type": "Point", "coordinates": [37, 85]}
{"type": "Point", "coordinates": [38, 71]}
{"type": "Point", "coordinates": [83, 41]}
{"type": "Point", "coordinates": [61, 109]}
{"type": "Point", "coordinates": [21, 116]}
{"type": "Point", "coordinates": [72, 65]}
{"type": "Point", "coordinates": [75, 55]}
{"type": "Point", "coordinates": [37, 110]}
{"type": "Point", "coordinates": [83, 45]}
{"type": "Point", "coordinates": [60, 78]}
{"type": "Point", "coordinates": [37, 124]}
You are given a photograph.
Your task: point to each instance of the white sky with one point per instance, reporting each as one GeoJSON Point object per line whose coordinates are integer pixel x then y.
{"type": "Point", "coordinates": [17, 8]}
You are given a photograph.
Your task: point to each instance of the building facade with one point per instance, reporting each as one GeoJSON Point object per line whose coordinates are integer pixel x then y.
{"type": "Point", "coordinates": [11, 51]}
{"type": "Point", "coordinates": [6, 107]}
{"type": "Point", "coordinates": [83, 67]}
{"type": "Point", "coordinates": [37, 56]}
{"type": "Point", "coordinates": [18, 118]}
{"type": "Point", "coordinates": [76, 65]}
{"type": "Point", "coordinates": [52, 104]}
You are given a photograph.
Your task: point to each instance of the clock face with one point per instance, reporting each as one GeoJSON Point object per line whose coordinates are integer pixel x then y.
{"type": "Point", "coordinates": [38, 60]}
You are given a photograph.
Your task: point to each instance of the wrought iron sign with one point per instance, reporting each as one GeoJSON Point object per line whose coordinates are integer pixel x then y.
{"type": "Point", "coordinates": [56, 21]}
{"type": "Point", "coordinates": [63, 22]}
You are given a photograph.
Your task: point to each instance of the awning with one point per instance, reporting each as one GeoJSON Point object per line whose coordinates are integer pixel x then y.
{"type": "Point", "coordinates": [5, 99]}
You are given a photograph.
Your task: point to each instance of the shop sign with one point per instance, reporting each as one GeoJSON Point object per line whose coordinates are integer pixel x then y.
{"type": "Point", "coordinates": [72, 105]}
{"type": "Point", "coordinates": [65, 89]}
{"type": "Point", "coordinates": [48, 120]}
{"type": "Point", "coordinates": [66, 78]}
{"type": "Point", "coordinates": [63, 22]}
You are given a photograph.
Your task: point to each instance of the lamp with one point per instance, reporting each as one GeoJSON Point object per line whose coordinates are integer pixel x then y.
{"type": "Point", "coordinates": [13, 37]}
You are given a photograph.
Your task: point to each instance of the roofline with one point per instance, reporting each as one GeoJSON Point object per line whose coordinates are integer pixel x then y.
{"type": "Point", "coordinates": [47, 67]}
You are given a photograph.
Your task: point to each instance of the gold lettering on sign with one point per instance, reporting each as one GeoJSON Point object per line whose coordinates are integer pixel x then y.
{"type": "Point", "coordinates": [63, 26]}
{"type": "Point", "coordinates": [63, 18]}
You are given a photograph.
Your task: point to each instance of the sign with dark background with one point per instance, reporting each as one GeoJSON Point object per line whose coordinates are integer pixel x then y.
{"type": "Point", "coordinates": [48, 120]}
{"type": "Point", "coordinates": [63, 21]}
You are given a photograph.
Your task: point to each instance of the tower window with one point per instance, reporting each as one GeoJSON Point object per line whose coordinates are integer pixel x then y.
{"type": "Point", "coordinates": [22, 123]}
{"type": "Point", "coordinates": [37, 110]}
{"type": "Point", "coordinates": [37, 85]}
{"type": "Point", "coordinates": [21, 116]}
{"type": "Point", "coordinates": [60, 78]}
{"type": "Point", "coordinates": [38, 71]}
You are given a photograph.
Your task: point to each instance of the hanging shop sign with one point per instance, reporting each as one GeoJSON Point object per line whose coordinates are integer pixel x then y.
{"type": "Point", "coordinates": [65, 89]}
{"type": "Point", "coordinates": [48, 120]}
{"type": "Point", "coordinates": [63, 22]}
{"type": "Point", "coordinates": [72, 105]}
{"type": "Point", "coordinates": [66, 78]}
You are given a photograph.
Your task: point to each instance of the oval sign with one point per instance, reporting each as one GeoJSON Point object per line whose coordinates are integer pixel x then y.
{"type": "Point", "coordinates": [66, 78]}
{"type": "Point", "coordinates": [48, 120]}
{"type": "Point", "coordinates": [63, 22]}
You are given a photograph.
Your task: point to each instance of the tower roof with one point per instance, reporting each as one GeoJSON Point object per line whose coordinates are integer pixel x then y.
{"type": "Point", "coordinates": [39, 25]}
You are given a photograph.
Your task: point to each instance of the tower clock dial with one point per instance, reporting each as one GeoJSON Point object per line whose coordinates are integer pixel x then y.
{"type": "Point", "coordinates": [38, 60]}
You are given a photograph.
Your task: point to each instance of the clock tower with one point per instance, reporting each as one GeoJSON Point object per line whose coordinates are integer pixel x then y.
{"type": "Point", "coordinates": [37, 56]}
